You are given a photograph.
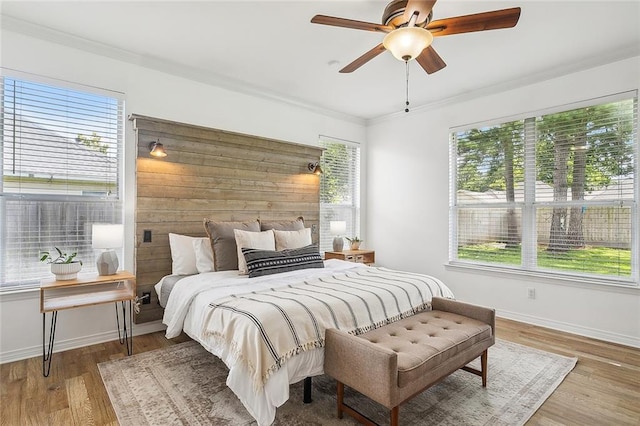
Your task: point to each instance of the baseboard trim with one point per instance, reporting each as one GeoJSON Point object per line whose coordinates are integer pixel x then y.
{"type": "Point", "coordinates": [65, 345]}
{"type": "Point", "coordinates": [593, 333]}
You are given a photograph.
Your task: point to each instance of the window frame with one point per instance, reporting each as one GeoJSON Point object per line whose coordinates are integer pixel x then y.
{"type": "Point", "coordinates": [353, 209]}
{"type": "Point", "coordinates": [115, 199]}
{"type": "Point", "coordinates": [529, 205]}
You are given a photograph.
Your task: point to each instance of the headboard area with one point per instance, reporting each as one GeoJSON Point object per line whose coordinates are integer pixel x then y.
{"type": "Point", "coordinates": [215, 174]}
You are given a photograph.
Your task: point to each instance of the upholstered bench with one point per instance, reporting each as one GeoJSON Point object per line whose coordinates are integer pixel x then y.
{"type": "Point", "coordinates": [393, 363]}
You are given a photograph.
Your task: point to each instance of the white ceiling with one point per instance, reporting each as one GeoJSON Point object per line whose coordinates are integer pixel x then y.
{"type": "Point", "coordinates": [271, 47]}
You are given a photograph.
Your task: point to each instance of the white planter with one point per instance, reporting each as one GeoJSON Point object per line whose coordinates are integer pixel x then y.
{"type": "Point", "coordinates": [66, 271]}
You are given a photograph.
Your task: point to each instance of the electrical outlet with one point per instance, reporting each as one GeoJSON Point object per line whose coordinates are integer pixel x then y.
{"type": "Point", "coordinates": [531, 292]}
{"type": "Point", "coordinates": [146, 298]}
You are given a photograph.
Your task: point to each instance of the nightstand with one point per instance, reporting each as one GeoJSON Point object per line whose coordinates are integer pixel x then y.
{"type": "Point", "coordinates": [86, 291]}
{"type": "Point", "coordinates": [367, 257]}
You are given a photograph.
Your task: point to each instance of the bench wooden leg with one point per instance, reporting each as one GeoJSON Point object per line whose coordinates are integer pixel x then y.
{"type": "Point", "coordinates": [395, 415]}
{"type": "Point", "coordinates": [483, 363]}
{"type": "Point", "coordinates": [361, 418]}
{"type": "Point", "coordinates": [483, 368]}
{"type": "Point", "coordinates": [340, 398]}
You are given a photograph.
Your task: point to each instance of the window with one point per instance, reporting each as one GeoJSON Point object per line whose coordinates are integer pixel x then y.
{"type": "Point", "coordinates": [61, 154]}
{"type": "Point", "coordinates": [339, 189]}
{"type": "Point", "coordinates": [555, 193]}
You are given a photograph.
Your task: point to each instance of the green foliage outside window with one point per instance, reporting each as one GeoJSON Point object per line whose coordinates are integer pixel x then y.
{"type": "Point", "coordinates": [335, 184]}
{"type": "Point", "coordinates": [584, 163]}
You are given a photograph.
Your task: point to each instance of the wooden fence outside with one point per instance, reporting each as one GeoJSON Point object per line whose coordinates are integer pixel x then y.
{"type": "Point", "coordinates": [606, 226]}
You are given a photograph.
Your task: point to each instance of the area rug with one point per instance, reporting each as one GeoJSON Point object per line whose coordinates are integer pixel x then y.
{"type": "Point", "coordinates": [184, 384]}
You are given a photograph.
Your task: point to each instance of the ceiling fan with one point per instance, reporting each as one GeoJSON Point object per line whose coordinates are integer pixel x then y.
{"type": "Point", "coordinates": [410, 31]}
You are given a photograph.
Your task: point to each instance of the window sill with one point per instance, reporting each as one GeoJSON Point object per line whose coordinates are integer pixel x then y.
{"type": "Point", "coordinates": [19, 294]}
{"type": "Point", "coordinates": [550, 278]}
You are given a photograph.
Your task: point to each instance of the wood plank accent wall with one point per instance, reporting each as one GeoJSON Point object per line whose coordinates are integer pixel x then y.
{"type": "Point", "coordinates": [214, 174]}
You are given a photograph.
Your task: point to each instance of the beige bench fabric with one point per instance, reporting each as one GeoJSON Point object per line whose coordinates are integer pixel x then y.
{"type": "Point", "coordinates": [393, 363]}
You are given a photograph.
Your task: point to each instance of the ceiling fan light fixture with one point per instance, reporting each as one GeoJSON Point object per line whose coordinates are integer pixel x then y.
{"type": "Point", "coordinates": [406, 43]}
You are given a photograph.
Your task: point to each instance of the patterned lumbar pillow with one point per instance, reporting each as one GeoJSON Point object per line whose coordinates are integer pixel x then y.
{"type": "Point", "coordinates": [266, 262]}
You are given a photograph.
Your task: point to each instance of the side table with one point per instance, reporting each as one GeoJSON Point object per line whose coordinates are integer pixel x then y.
{"type": "Point", "coordinates": [86, 291]}
{"type": "Point", "coordinates": [367, 257]}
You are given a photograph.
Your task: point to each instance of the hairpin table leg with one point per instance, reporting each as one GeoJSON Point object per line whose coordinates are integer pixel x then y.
{"type": "Point", "coordinates": [47, 353]}
{"type": "Point", "coordinates": [126, 335]}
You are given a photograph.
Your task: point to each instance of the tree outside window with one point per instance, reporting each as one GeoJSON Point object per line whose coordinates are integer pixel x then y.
{"type": "Point", "coordinates": [554, 193]}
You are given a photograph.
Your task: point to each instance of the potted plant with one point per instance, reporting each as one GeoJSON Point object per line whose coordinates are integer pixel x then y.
{"type": "Point", "coordinates": [354, 242]}
{"type": "Point", "coordinates": [64, 266]}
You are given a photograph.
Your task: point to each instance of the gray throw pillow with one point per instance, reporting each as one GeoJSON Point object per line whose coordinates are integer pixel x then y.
{"type": "Point", "coordinates": [223, 241]}
{"type": "Point", "coordinates": [282, 225]}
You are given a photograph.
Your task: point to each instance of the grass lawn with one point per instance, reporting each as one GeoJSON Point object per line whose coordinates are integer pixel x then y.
{"type": "Point", "coordinates": [593, 260]}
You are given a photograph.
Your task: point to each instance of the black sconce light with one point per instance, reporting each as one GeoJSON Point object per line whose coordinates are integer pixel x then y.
{"type": "Point", "coordinates": [314, 168]}
{"type": "Point", "coordinates": [156, 149]}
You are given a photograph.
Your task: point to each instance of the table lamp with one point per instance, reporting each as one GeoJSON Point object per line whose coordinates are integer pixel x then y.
{"type": "Point", "coordinates": [338, 228]}
{"type": "Point", "coordinates": [107, 237]}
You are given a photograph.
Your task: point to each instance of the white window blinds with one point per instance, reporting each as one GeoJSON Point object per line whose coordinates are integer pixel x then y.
{"type": "Point", "coordinates": [555, 193]}
{"type": "Point", "coordinates": [61, 155]}
{"type": "Point", "coordinates": [339, 189]}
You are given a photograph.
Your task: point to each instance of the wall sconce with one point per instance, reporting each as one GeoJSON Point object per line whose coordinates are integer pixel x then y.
{"type": "Point", "coordinates": [156, 149]}
{"type": "Point", "coordinates": [314, 168]}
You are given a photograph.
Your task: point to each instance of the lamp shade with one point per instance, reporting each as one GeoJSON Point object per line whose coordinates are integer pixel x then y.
{"type": "Point", "coordinates": [337, 227]}
{"type": "Point", "coordinates": [314, 168]}
{"type": "Point", "coordinates": [156, 149]}
{"type": "Point", "coordinates": [106, 236]}
{"type": "Point", "coordinates": [407, 43]}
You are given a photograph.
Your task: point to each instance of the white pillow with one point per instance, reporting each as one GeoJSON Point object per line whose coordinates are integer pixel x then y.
{"type": "Point", "coordinates": [292, 239]}
{"type": "Point", "coordinates": [250, 239]}
{"type": "Point", "coordinates": [204, 255]}
{"type": "Point", "coordinates": [182, 254]}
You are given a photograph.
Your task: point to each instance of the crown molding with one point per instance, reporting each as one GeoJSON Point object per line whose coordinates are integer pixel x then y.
{"type": "Point", "coordinates": [30, 29]}
{"type": "Point", "coordinates": [192, 73]}
{"type": "Point", "coordinates": [537, 77]}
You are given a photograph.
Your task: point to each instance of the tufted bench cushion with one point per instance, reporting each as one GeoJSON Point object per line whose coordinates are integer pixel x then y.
{"type": "Point", "coordinates": [395, 362]}
{"type": "Point", "coordinates": [424, 340]}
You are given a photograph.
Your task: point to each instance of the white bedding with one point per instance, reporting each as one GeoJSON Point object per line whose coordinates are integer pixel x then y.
{"type": "Point", "coordinates": [186, 311]}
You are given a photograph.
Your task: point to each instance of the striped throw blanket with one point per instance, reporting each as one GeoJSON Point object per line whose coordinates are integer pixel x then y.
{"type": "Point", "coordinates": [264, 329]}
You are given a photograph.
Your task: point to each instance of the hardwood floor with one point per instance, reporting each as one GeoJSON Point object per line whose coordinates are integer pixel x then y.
{"type": "Point", "coordinates": [603, 388]}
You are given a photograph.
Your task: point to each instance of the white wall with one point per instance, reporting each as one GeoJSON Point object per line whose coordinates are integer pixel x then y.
{"type": "Point", "coordinates": [405, 203]}
{"type": "Point", "coordinates": [150, 93]}
{"type": "Point", "coordinates": [408, 207]}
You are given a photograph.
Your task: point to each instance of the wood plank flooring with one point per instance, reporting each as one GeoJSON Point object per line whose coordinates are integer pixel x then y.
{"type": "Point", "coordinates": [603, 388]}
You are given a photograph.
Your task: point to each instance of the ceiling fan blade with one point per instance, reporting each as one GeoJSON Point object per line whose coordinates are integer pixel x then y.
{"type": "Point", "coordinates": [422, 7]}
{"type": "Point", "coordinates": [350, 23]}
{"type": "Point", "coordinates": [505, 18]}
{"type": "Point", "coordinates": [363, 59]}
{"type": "Point", "coordinates": [430, 61]}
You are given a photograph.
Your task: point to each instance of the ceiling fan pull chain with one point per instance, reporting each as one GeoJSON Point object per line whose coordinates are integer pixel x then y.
{"type": "Point", "coordinates": [407, 103]}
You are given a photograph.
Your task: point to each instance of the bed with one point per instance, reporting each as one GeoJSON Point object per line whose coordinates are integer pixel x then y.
{"type": "Point", "coordinates": [244, 185]}
{"type": "Point", "coordinates": [269, 329]}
